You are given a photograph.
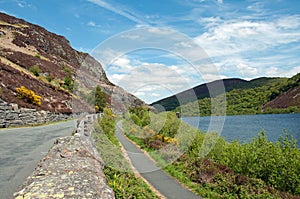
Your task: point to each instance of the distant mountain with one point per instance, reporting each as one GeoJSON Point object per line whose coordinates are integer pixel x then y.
{"type": "Point", "coordinates": [45, 63]}
{"type": "Point", "coordinates": [212, 89]}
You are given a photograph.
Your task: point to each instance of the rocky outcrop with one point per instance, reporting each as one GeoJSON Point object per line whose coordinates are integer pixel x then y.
{"type": "Point", "coordinates": [71, 169]}
{"type": "Point", "coordinates": [24, 45]}
{"type": "Point", "coordinates": [11, 115]}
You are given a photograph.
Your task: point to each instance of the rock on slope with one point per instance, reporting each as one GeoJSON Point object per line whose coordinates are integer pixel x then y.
{"type": "Point", "coordinates": [25, 46]}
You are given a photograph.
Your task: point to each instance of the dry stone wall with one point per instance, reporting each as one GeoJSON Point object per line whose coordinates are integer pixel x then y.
{"type": "Point", "coordinates": [11, 115]}
{"type": "Point", "coordinates": [71, 169]}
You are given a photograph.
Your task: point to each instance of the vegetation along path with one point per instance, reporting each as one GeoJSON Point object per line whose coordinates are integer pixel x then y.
{"type": "Point", "coordinates": [22, 148]}
{"type": "Point", "coordinates": [161, 181]}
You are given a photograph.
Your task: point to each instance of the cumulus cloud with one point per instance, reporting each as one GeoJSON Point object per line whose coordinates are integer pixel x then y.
{"type": "Point", "coordinates": [239, 36]}
{"type": "Point", "coordinates": [248, 45]}
{"type": "Point", "coordinates": [244, 69]}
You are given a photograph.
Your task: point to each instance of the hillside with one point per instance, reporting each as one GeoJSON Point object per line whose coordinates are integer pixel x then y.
{"type": "Point", "coordinates": [280, 96]}
{"type": "Point", "coordinates": [202, 91]}
{"type": "Point", "coordinates": [47, 65]}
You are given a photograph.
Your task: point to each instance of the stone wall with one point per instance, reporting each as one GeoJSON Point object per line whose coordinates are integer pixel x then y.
{"type": "Point", "coordinates": [71, 169]}
{"type": "Point", "coordinates": [11, 115]}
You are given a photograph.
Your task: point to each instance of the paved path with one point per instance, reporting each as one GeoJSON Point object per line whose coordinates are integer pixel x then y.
{"type": "Point", "coordinates": [165, 184]}
{"type": "Point", "coordinates": [21, 149]}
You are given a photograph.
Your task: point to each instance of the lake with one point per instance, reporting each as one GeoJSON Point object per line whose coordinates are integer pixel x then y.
{"type": "Point", "coordinates": [245, 127]}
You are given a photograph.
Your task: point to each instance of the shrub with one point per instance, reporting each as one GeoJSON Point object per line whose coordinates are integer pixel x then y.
{"type": "Point", "coordinates": [97, 97]}
{"type": "Point", "coordinates": [68, 70]}
{"type": "Point", "coordinates": [29, 96]}
{"type": "Point", "coordinates": [68, 83]}
{"type": "Point", "coordinates": [49, 78]}
{"type": "Point", "coordinates": [35, 70]}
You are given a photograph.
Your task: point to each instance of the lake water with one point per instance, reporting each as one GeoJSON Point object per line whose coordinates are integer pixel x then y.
{"type": "Point", "coordinates": [245, 127]}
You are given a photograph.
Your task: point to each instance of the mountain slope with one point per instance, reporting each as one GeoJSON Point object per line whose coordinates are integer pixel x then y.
{"type": "Point", "coordinates": [212, 89]}
{"type": "Point", "coordinates": [276, 96]}
{"type": "Point", "coordinates": [46, 64]}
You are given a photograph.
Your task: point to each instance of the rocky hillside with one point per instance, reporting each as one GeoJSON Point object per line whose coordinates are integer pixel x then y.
{"type": "Point", "coordinates": [47, 65]}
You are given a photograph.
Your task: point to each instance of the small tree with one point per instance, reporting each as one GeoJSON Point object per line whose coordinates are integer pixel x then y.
{"type": "Point", "coordinates": [97, 98]}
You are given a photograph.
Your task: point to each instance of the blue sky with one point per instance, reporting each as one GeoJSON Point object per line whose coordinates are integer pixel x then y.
{"type": "Point", "coordinates": [154, 49]}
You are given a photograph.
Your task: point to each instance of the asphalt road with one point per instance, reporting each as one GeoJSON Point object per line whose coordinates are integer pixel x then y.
{"type": "Point", "coordinates": [21, 149]}
{"type": "Point", "coordinates": [165, 184]}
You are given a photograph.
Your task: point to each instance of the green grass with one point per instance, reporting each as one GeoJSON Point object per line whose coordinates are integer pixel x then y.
{"type": "Point", "coordinates": [117, 170]}
{"type": "Point", "coordinates": [259, 169]}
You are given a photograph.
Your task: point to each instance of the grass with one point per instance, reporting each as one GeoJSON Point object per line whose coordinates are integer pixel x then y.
{"type": "Point", "coordinates": [230, 170]}
{"type": "Point", "coordinates": [117, 169]}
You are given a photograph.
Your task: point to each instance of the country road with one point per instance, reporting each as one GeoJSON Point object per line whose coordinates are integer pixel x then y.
{"type": "Point", "coordinates": [161, 181]}
{"type": "Point", "coordinates": [22, 148]}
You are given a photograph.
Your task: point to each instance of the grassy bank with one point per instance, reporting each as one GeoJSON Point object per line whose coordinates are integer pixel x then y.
{"type": "Point", "coordinates": [214, 168]}
{"type": "Point", "coordinates": [117, 170]}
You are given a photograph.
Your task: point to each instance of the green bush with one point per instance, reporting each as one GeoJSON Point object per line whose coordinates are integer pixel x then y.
{"type": "Point", "coordinates": [277, 164]}
{"type": "Point", "coordinates": [35, 70]}
{"type": "Point", "coordinates": [259, 169]}
{"type": "Point", "coordinates": [68, 83]}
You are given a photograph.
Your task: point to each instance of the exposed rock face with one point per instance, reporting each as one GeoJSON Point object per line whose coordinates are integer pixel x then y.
{"type": "Point", "coordinates": [24, 45]}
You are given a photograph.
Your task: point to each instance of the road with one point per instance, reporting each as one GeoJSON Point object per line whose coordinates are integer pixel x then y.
{"type": "Point", "coordinates": [21, 149]}
{"type": "Point", "coordinates": [165, 184]}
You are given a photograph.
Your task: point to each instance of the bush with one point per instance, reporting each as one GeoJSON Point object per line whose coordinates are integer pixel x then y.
{"type": "Point", "coordinates": [97, 98]}
{"type": "Point", "coordinates": [29, 96]}
{"type": "Point", "coordinates": [49, 78]}
{"type": "Point", "coordinates": [277, 164]}
{"type": "Point", "coordinates": [68, 83]}
{"type": "Point", "coordinates": [35, 70]}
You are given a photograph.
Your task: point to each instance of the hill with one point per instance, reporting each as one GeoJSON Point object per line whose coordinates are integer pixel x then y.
{"type": "Point", "coordinates": [261, 95]}
{"type": "Point", "coordinates": [47, 66]}
{"type": "Point", "coordinates": [212, 89]}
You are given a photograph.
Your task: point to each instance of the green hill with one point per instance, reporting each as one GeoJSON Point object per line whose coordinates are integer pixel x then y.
{"type": "Point", "coordinates": [242, 97]}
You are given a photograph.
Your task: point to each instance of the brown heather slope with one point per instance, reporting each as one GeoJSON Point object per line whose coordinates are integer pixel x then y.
{"type": "Point", "coordinates": [285, 100]}
{"type": "Point", "coordinates": [24, 45]}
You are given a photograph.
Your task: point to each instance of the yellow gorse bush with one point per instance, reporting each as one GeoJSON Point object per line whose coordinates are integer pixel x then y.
{"type": "Point", "coordinates": [166, 139]}
{"type": "Point", "coordinates": [29, 95]}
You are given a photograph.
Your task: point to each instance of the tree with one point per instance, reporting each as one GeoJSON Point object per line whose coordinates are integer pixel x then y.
{"type": "Point", "coordinates": [97, 98]}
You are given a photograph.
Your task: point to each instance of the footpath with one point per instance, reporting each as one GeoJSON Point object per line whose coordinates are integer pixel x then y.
{"type": "Point", "coordinates": [160, 180]}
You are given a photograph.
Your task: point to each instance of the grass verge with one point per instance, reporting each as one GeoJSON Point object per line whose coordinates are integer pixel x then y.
{"type": "Point", "coordinates": [117, 169]}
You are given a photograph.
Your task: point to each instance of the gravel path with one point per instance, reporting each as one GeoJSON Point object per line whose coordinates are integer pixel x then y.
{"type": "Point", "coordinates": [161, 181]}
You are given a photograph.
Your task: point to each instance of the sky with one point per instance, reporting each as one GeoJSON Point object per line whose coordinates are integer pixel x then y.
{"type": "Point", "coordinates": [154, 49]}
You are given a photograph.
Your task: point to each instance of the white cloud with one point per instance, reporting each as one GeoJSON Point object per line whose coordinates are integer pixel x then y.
{"type": "Point", "coordinates": [91, 23]}
{"type": "Point", "coordinates": [212, 77]}
{"type": "Point", "coordinates": [279, 72]}
{"type": "Point", "coordinates": [248, 47]}
{"type": "Point", "coordinates": [245, 69]}
{"type": "Point", "coordinates": [155, 94]}
{"type": "Point", "coordinates": [230, 37]}
{"type": "Point", "coordinates": [122, 12]}
{"type": "Point", "coordinates": [139, 93]}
